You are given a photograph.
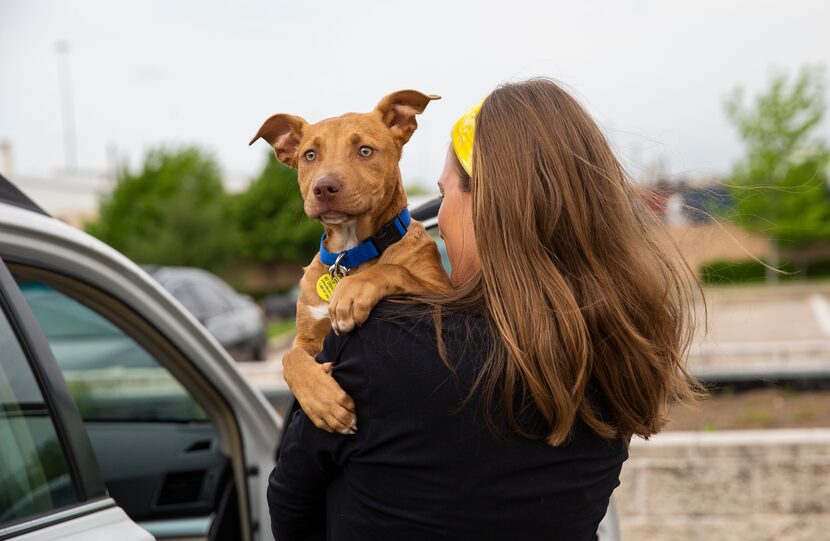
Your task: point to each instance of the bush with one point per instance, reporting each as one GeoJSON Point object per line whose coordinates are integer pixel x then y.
{"type": "Point", "coordinates": [819, 268]}
{"type": "Point", "coordinates": [736, 272]}
{"type": "Point", "coordinates": [270, 218]}
{"type": "Point", "coordinates": [172, 211]}
{"type": "Point", "coordinates": [722, 272]}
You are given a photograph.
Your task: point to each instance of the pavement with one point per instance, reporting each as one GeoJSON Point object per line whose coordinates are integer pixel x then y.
{"type": "Point", "coordinates": [754, 332]}
{"type": "Point", "coordinates": [769, 332]}
{"type": "Point", "coordinates": [267, 375]}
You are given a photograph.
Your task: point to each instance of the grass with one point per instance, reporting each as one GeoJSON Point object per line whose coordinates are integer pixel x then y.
{"type": "Point", "coordinates": [280, 328]}
{"type": "Point", "coordinates": [787, 391]}
{"type": "Point", "coordinates": [766, 407]}
{"type": "Point", "coordinates": [805, 414]}
{"type": "Point", "coordinates": [757, 417]}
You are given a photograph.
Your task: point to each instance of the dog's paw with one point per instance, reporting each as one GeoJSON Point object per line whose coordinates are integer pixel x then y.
{"type": "Point", "coordinates": [324, 402]}
{"type": "Point", "coordinates": [351, 303]}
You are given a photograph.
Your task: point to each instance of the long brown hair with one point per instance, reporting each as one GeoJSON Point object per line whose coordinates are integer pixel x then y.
{"type": "Point", "coordinates": [575, 286]}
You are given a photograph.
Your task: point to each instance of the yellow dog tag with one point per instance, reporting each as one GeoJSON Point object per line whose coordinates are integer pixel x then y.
{"type": "Point", "coordinates": [325, 286]}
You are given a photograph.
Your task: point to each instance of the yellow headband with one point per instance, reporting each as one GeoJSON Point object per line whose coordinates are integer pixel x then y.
{"type": "Point", "coordinates": [463, 134]}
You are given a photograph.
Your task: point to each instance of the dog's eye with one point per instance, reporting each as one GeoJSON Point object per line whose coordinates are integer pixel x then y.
{"type": "Point", "coordinates": [310, 155]}
{"type": "Point", "coordinates": [366, 151]}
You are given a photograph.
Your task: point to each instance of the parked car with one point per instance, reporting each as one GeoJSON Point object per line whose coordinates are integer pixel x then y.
{"type": "Point", "coordinates": [280, 307]}
{"type": "Point", "coordinates": [235, 320]}
{"type": "Point", "coordinates": [121, 416]}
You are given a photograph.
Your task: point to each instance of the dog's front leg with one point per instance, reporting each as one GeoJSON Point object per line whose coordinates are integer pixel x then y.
{"type": "Point", "coordinates": [356, 295]}
{"type": "Point", "coordinates": [325, 403]}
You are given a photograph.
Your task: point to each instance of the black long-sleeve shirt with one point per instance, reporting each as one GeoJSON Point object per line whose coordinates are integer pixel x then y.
{"type": "Point", "coordinates": [423, 464]}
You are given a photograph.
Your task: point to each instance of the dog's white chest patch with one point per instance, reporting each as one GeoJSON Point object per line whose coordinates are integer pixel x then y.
{"type": "Point", "coordinates": [346, 235]}
{"type": "Point", "coordinates": [321, 311]}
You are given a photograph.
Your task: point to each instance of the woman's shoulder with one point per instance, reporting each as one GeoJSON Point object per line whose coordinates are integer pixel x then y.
{"type": "Point", "coordinates": [401, 323]}
{"type": "Point", "coordinates": [400, 334]}
{"type": "Point", "coordinates": [389, 324]}
{"type": "Point", "coordinates": [394, 326]}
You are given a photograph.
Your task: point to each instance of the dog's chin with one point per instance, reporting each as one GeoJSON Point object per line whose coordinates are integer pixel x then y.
{"type": "Point", "coordinates": [334, 218]}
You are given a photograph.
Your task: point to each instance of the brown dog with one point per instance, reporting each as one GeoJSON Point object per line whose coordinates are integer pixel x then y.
{"type": "Point", "coordinates": [350, 180]}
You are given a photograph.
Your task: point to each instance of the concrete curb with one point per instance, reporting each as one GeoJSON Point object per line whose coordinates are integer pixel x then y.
{"type": "Point", "coordinates": [737, 437]}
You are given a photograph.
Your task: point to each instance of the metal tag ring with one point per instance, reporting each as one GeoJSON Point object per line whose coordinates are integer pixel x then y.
{"type": "Point", "coordinates": [337, 270]}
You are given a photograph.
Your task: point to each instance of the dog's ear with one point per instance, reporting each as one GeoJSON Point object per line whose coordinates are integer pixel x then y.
{"type": "Point", "coordinates": [398, 110]}
{"type": "Point", "coordinates": [283, 132]}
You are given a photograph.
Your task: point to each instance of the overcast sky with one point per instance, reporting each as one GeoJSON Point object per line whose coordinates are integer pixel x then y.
{"type": "Point", "coordinates": [653, 73]}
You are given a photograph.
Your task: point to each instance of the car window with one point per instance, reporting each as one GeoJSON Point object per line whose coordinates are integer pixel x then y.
{"type": "Point", "coordinates": [110, 376]}
{"type": "Point", "coordinates": [211, 297]}
{"type": "Point", "coordinates": [34, 477]}
{"type": "Point", "coordinates": [442, 249]}
{"type": "Point", "coordinates": [188, 295]}
{"type": "Point", "coordinates": [229, 297]}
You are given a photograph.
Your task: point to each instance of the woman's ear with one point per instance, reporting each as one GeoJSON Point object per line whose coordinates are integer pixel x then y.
{"type": "Point", "coordinates": [284, 133]}
{"type": "Point", "coordinates": [398, 111]}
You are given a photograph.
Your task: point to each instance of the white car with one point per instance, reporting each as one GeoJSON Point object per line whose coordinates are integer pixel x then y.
{"type": "Point", "coordinates": [121, 417]}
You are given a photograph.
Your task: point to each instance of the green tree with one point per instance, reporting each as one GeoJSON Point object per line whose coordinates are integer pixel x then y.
{"type": "Point", "coordinates": [269, 216]}
{"type": "Point", "coordinates": [173, 211]}
{"type": "Point", "coordinates": [780, 185]}
{"type": "Point", "coordinates": [416, 190]}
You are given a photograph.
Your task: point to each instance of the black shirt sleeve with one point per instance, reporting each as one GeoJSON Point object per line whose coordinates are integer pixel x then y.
{"type": "Point", "coordinates": [310, 457]}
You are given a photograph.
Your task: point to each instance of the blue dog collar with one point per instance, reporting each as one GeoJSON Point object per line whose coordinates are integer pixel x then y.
{"type": "Point", "coordinates": [370, 248]}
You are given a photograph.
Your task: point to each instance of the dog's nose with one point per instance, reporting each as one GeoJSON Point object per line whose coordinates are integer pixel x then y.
{"type": "Point", "coordinates": [326, 188]}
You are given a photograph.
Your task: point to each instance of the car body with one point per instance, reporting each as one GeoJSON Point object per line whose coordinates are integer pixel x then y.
{"type": "Point", "coordinates": [167, 439]}
{"type": "Point", "coordinates": [122, 417]}
{"type": "Point", "coordinates": [283, 306]}
{"type": "Point", "coordinates": [235, 320]}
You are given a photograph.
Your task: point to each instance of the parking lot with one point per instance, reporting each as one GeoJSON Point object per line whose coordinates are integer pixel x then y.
{"type": "Point", "coordinates": [765, 332]}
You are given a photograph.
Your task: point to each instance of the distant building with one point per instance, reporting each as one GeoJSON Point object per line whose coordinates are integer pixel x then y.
{"type": "Point", "coordinates": [686, 202]}
{"type": "Point", "coordinates": [701, 202]}
{"type": "Point", "coordinates": [71, 196]}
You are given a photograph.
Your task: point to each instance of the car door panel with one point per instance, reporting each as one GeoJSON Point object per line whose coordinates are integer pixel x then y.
{"type": "Point", "coordinates": [159, 470]}
{"type": "Point", "coordinates": [107, 524]}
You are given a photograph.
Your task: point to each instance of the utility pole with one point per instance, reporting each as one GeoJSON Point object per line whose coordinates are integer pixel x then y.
{"type": "Point", "coordinates": [70, 145]}
{"type": "Point", "coordinates": [112, 164]}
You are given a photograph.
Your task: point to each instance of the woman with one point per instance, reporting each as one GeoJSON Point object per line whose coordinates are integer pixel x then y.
{"type": "Point", "coordinates": [504, 409]}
